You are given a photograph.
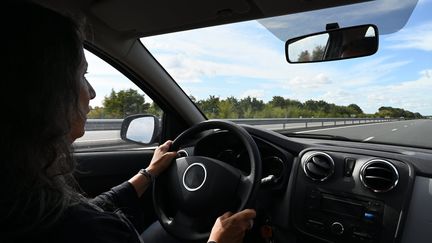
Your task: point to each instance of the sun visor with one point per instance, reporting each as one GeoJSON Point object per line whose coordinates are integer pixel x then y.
{"type": "Point", "coordinates": [389, 15]}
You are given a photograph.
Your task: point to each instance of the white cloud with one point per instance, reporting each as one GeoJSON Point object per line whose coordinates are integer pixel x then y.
{"type": "Point", "coordinates": [231, 60]}
{"type": "Point", "coordinates": [237, 53]}
{"type": "Point", "coordinates": [254, 93]}
{"type": "Point", "coordinates": [338, 96]}
{"type": "Point", "coordinates": [370, 71]}
{"type": "Point", "coordinates": [419, 37]}
{"type": "Point", "coordinates": [427, 73]}
{"type": "Point", "coordinates": [196, 59]}
{"type": "Point", "coordinates": [308, 81]}
{"type": "Point", "coordinates": [411, 95]}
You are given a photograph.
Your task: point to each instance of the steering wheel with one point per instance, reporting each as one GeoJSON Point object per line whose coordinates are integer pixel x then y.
{"type": "Point", "coordinates": [195, 190]}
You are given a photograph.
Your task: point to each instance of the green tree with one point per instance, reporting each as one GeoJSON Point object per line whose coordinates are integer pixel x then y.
{"type": "Point", "coordinates": [293, 103]}
{"type": "Point", "coordinates": [193, 98]}
{"type": "Point", "coordinates": [226, 110]}
{"type": "Point", "coordinates": [304, 56]}
{"type": "Point", "coordinates": [154, 109]}
{"type": "Point", "coordinates": [235, 107]}
{"type": "Point", "coordinates": [318, 53]}
{"type": "Point", "coordinates": [387, 111]}
{"type": "Point", "coordinates": [96, 113]}
{"type": "Point", "coordinates": [124, 103]}
{"type": "Point", "coordinates": [210, 106]}
{"type": "Point", "coordinates": [355, 109]}
{"type": "Point", "coordinates": [250, 106]}
{"type": "Point", "coordinates": [278, 101]}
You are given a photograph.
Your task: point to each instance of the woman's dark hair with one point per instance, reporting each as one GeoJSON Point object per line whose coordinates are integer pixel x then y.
{"type": "Point", "coordinates": [42, 52]}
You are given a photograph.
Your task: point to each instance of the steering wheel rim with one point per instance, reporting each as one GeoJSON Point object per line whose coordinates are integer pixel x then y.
{"type": "Point", "coordinates": [189, 214]}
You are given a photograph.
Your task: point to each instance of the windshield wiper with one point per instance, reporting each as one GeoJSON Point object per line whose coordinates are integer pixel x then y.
{"type": "Point", "coordinates": [320, 136]}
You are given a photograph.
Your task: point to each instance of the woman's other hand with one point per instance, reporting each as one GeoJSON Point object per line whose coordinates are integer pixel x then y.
{"type": "Point", "coordinates": [231, 228]}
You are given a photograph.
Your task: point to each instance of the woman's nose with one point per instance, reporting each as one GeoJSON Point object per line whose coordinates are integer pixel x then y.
{"type": "Point", "coordinates": [92, 92]}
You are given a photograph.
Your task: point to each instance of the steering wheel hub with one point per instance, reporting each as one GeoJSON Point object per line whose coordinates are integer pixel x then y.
{"type": "Point", "coordinates": [194, 177]}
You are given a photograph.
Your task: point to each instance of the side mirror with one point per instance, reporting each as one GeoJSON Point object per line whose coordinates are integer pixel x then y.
{"type": "Point", "coordinates": [334, 44]}
{"type": "Point", "coordinates": [141, 129]}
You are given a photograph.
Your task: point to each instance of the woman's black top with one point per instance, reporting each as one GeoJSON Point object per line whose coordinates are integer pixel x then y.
{"type": "Point", "coordinates": [113, 216]}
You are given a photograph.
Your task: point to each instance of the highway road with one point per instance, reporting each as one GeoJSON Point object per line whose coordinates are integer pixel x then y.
{"type": "Point", "coordinates": [417, 133]}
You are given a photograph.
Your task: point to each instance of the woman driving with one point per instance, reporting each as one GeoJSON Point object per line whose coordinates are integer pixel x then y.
{"type": "Point", "coordinates": [41, 201]}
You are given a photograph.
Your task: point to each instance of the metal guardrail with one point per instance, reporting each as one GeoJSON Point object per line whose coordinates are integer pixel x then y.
{"type": "Point", "coordinates": [103, 124]}
{"type": "Point", "coordinates": [307, 121]}
{"type": "Point", "coordinates": [115, 124]}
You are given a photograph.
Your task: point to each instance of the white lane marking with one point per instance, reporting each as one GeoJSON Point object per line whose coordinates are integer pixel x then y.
{"type": "Point", "coordinates": [367, 139]}
{"type": "Point", "coordinates": [394, 129]}
{"type": "Point", "coordinates": [405, 125]}
{"type": "Point", "coordinates": [332, 128]}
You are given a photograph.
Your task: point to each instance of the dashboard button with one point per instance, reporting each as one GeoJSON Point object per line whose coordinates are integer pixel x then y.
{"type": "Point", "coordinates": [337, 228]}
{"type": "Point", "coordinates": [370, 216]}
{"type": "Point", "coordinates": [349, 166]}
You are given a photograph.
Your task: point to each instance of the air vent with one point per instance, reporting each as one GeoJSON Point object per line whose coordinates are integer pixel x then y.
{"type": "Point", "coordinates": [379, 175]}
{"type": "Point", "coordinates": [318, 166]}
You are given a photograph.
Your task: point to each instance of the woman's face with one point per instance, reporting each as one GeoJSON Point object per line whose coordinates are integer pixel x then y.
{"type": "Point", "coordinates": [86, 93]}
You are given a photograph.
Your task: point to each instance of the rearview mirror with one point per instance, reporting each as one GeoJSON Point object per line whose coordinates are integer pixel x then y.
{"type": "Point", "coordinates": [334, 44]}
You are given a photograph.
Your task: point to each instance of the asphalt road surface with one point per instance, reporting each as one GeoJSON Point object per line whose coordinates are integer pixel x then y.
{"type": "Point", "coordinates": [417, 133]}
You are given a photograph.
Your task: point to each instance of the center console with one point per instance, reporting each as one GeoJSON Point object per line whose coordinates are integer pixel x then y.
{"type": "Point", "coordinates": [349, 197]}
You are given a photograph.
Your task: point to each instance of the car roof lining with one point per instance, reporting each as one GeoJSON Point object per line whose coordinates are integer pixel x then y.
{"type": "Point", "coordinates": [140, 18]}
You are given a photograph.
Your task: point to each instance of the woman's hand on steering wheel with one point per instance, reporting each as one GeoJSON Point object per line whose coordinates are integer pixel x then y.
{"type": "Point", "coordinates": [161, 159]}
{"type": "Point", "coordinates": [160, 162]}
{"type": "Point", "coordinates": [231, 228]}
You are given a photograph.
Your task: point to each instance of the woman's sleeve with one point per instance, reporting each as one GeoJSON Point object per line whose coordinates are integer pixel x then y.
{"type": "Point", "coordinates": [122, 198]}
{"type": "Point", "coordinates": [86, 224]}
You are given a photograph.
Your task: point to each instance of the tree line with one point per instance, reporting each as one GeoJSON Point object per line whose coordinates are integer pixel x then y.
{"type": "Point", "coordinates": [317, 55]}
{"type": "Point", "coordinates": [127, 102]}
{"type": "Point", "coordinates": [122, 104]}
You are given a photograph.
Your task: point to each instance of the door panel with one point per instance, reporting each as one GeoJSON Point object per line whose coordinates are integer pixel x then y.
{"type": "Point", "coordinates": [97, 172]}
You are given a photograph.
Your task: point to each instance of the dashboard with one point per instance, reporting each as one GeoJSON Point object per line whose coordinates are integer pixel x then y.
{"type": "Point", "coordinates": [225, 147]}
{"type": "Point", "coordinates": [315, 190]}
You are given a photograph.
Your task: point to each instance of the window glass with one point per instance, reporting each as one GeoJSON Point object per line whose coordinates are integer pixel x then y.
{"type": "Point", "coordinates": [239, 72]}
{"type": "Point", "coordinates": [116, 98]}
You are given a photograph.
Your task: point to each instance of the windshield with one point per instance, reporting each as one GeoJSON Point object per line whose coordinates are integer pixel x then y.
{"type": "Point", "coordinates": [239, 71]}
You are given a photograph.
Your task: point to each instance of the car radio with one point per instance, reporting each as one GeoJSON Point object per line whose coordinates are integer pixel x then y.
{"type": "Point", "coordinates": [343, 219]}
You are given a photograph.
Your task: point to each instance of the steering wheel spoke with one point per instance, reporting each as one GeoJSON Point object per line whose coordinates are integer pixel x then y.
{"type": "Point", "coordinates": [245, 183]}
{"type": "Point", "coordinates": [183, 224]}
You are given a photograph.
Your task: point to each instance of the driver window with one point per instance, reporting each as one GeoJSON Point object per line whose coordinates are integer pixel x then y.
{"type": "Point", "coordinates": [116, 98]}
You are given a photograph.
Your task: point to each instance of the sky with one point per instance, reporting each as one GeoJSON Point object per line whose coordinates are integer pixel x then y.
{"type": "Point", "coordinates": [245, 59]}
